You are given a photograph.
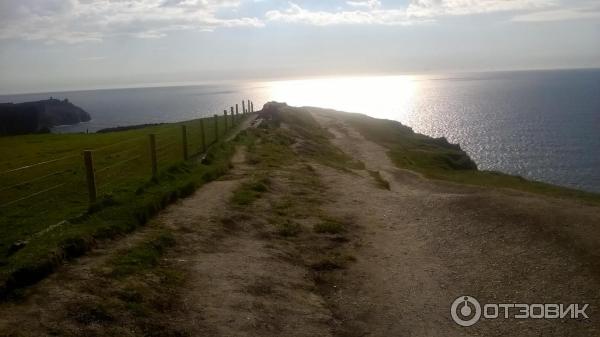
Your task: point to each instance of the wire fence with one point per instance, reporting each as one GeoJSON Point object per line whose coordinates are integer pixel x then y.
{"type": "Point", "coordinates": [60, 188]}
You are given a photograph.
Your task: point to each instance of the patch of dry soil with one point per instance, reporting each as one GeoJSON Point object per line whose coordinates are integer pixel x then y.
{"type": "Point", "coordinates": [239, 282]}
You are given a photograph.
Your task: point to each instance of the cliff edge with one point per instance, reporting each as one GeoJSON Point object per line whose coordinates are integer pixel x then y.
{"type": "Point", "coordinates": [39, 117]}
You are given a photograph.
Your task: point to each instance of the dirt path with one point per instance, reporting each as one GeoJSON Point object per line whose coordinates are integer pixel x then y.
{"type": "Point", "coordinates": [425, 243]}
{"type": "Point", "coordinates": [240, 283]}
{"type": "Point", "coordinates": [237, 280]}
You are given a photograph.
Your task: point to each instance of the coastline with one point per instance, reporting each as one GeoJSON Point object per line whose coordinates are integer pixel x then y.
{"type": "Point", "coordinates": [538, 125]}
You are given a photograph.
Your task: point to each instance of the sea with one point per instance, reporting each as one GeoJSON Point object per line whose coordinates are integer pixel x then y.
{"type": "Point", "coordinates": [542, 125]}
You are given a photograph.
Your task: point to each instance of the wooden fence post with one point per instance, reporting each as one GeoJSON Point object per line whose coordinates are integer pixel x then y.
{"type": "Point", "coordinates": [252, 106]}
{"type": "Point", "coordinates": [90, 175]}
{"type": "Point", "coordinates": [202, 135]}
{"type": "Point", "coordinates": [243, 107]}
{"type": "Point", "coordinates": [232, 117]}
{"type": "Point", "coordinates": [153, 161]}
{"type": "Point", "coordinates": [225, 114]}
{"type": "Point", "coordinates": [184, 142]}
{"type": "Point", "coordinates": [216, 117]}
{"type": "Point", "coordinates": [237, 112]}
{"type": "Point", "coordinates": [249, 106]}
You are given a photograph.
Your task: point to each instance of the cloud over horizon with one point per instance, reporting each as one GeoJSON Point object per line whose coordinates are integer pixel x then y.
{"type": "Point", "coordinates": [419, 11]}
{"type": "Point", "coordinates": [50, 44]}
{"type": "Point", "coordinates": [73, 21]}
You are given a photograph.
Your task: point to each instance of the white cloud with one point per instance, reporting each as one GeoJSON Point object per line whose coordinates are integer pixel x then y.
{"type": "Point", "coordinates": [372, 4]}
{"type": "Point", "coordinates": [75, 21]}
{"type": "Point", "coordinates": [561, 14]}
{"type": "Point", "coordinates": [434, 8]}
{"type": "Point", "coordinates": [373, 12]}
{"type": "Point", "coordinates": [296, 14]}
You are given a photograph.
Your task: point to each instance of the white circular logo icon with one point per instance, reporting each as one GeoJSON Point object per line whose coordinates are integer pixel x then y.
{"type": "Point", "coordinates": [465, 311]}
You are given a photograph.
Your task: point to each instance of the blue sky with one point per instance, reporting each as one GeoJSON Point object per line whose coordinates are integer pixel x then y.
{"type": "Point", "coordinates": [66, 44]}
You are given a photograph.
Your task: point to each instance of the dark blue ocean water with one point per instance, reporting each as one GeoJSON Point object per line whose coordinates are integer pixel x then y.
{"type": "Point", "coordinates": [543, 125]}
{"type": "Point", "coordinates": [540, 125]}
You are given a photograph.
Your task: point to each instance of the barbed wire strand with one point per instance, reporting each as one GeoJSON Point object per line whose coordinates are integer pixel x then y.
{"type": "Point", "coordinates": [38, 164]}
{"type": "Point", "coordinates": [32, 195]}
{"type": "Point", "coordinates": [124, 151]}
{"type": "Point", "coordinates": [118, 143]}
{"type": "Point", "coordinates": [33, 180]}
{"type": "Point", "coordinates": [45, 209]}
{"type": "Point", "coordinates": [75, 155]}
{"type": "Point", "coordinates": [118, 163]}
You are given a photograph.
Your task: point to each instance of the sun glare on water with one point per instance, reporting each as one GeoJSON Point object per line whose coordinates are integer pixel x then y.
{"type": "Point", "coordinates": [389, 97]}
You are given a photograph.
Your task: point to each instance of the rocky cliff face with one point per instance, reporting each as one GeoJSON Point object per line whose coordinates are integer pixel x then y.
{"type": "Point", "coordinates": [40, 116]}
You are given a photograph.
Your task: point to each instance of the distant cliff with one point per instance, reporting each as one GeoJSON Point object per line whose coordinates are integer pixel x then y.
{"type": "Point", "coordinates": [40, 116]}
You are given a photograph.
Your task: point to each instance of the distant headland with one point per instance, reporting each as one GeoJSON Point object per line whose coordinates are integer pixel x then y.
{"type": "Point", "coordinates": [39, 116]}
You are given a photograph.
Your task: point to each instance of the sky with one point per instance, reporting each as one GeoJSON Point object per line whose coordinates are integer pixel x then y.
{"type": "Point", "coordinates": [48, 45]}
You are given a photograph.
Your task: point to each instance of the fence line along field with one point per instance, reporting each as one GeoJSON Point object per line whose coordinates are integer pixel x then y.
{"type": "Point", "coordinates": [43, 178]}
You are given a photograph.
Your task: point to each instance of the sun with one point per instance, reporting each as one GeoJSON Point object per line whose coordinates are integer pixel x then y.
{"type": "Point", "coordinates": [389, 97]}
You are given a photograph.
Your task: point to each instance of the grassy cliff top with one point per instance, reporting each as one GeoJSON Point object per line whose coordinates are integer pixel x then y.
{"type": "Point", "coordinates": [436, 158]}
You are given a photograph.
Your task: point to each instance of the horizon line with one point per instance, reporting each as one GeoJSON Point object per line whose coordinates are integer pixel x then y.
{"type": "Point", "coordinates": [175, 84]}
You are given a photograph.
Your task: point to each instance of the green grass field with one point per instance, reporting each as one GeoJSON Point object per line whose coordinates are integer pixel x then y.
{"type": "Point", "coordinates": [42, 185]}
